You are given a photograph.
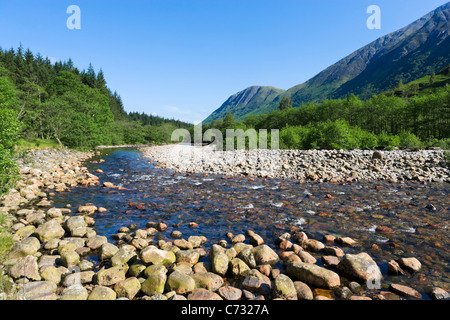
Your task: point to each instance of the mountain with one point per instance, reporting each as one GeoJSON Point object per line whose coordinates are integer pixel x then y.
{"type": "Point", "coordinates": [246, 102]}
{"type": "Point", "coordinates": [417, 50]}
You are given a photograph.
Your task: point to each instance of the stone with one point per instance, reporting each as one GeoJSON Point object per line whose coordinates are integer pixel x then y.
{"type": "Point", "coordinates": [346, 241]}
{"type": "Point", "coordinates": [247, 256]}
{"type": "Point", "coordinates": [69, 258]}
{"type": "Point", "coordinates": [409, 264]}
{"type": "Point", "coordinates": [238, 238]}
{"type": "Point", "coordinates": [196, 241]}
{"type": "Point", "coordinates": [343, 293]}
{"type": "Point", "coordinates": [107, 251]}
{"type": "Point", "coordinates": [76, 226]}
{"type": "Point", "coordinates": [377, 155]}
{"type": "Point", "coordinates": [330, 261]}
{"type": "Point", "coordinates": [111, 276]}
{"type": "Point", "coordinates": [219, 264]}
{"type": "Point", "coordinates": [313, 275]}
{"type": "Point", "coordinates": [439, 294]}
{"type": "Point", "coordinates": [96, 242]}
{"type": "Point", "coordinates": [155, 283]}
{"type": "Point", "coordinates": [304, 292]}
{"type": "Point", "coordinates": [77, 278]}
{"type": "Point", "coordinates": [254, 239]}
{"type": "Point", "coordinates": [88, 209]}
{"type": "Point", "coordinates": [24, 233]}
{"type": "Point", "coordinates": [52, 274]}
{"type": "Point", "coordinates": [25, 267]}
{"type": "Point", "coordinates": [238, 267]}
{"type": "Point", "coordinates": [123, 257]}
{"type": "Point", "coordinates": [257, 283]}
{"type": "Point", "coordinates": [76, 292]}
{"type": "Point", "coordinates": [28, 246]}
{"type": "Point", "coordinates": [202, 267]}
{"type": "Point", "coordinates": [332, 251]}
{"type": "Point", "coordinates": [180, 283]}
{"type": "Point", "coordinates": [283, 287]}
{"type": "Point", "coordinates": [404, 291]}
{"type": "Point", "coordinates": [312, 245]}
{"type": "Point", "coordinates": [187, 256]}
{"type": "Point", "coordinates": [128, 288]}
{"type": "Point", "coordinates": [306, 257]}
{"type": "Point", "coordinates": [394, 268]}
{"type": "Point", "coordinates": [102, 293]}
{"type": "Point", "coordinates": [39, 290]}
{"type": "Point", "coordinates": [230, 293]}
{"type": "Point", "coordinates": [207, 280]}
{"type": "Point", "coordinates": [360, 267]}
{"type": "Point", "coordinates": [183, 244]}
{"type": "Point", "coordinates": [203, 294]}
{"type": "Point", "coordinates": [153, 255]}
{"type": "Point", "coordinates": [265, 255]}
{"type": "Point", "coordinates": [50, 230]}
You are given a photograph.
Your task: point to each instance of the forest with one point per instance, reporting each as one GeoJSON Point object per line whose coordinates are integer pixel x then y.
{"type": "Point", "coordinates": [413, 115]}
{"type": "Point", "coordinates": [56, 104]}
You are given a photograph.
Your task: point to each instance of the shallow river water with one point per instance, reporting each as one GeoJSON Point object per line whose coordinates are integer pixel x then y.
{"type": "Point", "coordinates": [418, 214]}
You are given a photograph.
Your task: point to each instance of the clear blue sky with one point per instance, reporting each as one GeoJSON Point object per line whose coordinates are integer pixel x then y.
{"type": "Point", "coordinates": [184, 58]}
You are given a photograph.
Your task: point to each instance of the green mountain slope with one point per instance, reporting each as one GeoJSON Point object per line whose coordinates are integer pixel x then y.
{"type": "Point", "coordinates": [419, 49]}
{"type": "Point", "coordinates": [246, 102]}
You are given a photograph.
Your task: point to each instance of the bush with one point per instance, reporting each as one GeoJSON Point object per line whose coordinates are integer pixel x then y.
{"type": "Point", "coordinates": [409, 140]}
{"type": "Point", "coordinates": [388, 142]}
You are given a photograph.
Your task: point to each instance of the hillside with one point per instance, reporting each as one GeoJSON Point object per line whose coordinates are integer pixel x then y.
{"type": "Point", "coordinates": [246, 102]}
{"type": "Point", "coordinates": [417, 50]}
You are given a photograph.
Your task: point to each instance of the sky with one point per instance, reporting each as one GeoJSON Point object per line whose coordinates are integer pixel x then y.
{"type": "Point", "coordinates": [183, 58]}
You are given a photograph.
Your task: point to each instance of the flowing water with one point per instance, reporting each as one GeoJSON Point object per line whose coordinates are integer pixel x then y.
{"type": "Point", "coordinates": [418, 214]}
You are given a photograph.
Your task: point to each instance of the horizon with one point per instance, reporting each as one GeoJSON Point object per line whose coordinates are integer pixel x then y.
{"type": "Point", "coordinates": [184, 67]}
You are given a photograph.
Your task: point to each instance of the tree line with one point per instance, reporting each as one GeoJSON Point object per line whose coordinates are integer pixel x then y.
{"type": "Point", "coordinates": [410, 115]}
{"type": "Point", "coordinates": [45, 101]}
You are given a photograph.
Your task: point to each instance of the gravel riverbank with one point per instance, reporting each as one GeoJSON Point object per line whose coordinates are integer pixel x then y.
{"type": "Point", "coordinates": [306, 165]}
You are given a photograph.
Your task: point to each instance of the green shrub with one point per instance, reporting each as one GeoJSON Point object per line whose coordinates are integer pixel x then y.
{"type": "Point", "coordinates": [409, 140]}
{"type": "Point", "coordinates": [388, 142]}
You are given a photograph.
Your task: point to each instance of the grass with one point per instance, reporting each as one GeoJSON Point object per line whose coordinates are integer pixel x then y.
{"type": "Point", "coordinates": [23, 144]}
{"type": "Point", "coordinates": [6, 244]}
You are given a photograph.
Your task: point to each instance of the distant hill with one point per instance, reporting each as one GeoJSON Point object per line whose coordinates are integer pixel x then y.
{"type": "Point", "coordinates": [417, 50]}
{"type": "Point", "coordinates": [246, 102]}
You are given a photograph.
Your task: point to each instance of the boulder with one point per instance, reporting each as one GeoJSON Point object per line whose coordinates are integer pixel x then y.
{"type": "Point", "coordinates": [153, 255]}
{"type": "Point", "coordinates": [203, 294]}
{"type": "Point", "coordinates": [265, 255]}
{"type": "Point", "coordinates": [313, 275]}
{"type": "Point", "coordinates": [230, 293]}
{"type": "Point", "coordinates": [50, 230]}
{"type": "Point", "coordinates": [76, 292]}
{"type": "Point", "coordinates": [111, 276]}
{"type": "Point", "coordinates": [39, 290]}
{"type": "Point", "coordinates": [219, 263]}
{"type": "Point", "coordinates": [102, 293]}
{"type": "Point", "coordinates": [207, 280]}
{"type": "Point", "coordinates": [238, 267]}
{"type": "Point", "coordinates": [180, 282]}
{"type": "Point", "coordinates": [360, 267]}
{"type": "Point", "coordinates": [283, 287]}
{"type": "Point", "coordinates": [409, 264]}
{"type": "Point", "coordinates": [404, 291]}
{"type": "Point", "coordinates": [127, 288]}
{"type": "Point", "coordinates": [304, 292]}
{"type": "Point", "coordinates": [25, 267]}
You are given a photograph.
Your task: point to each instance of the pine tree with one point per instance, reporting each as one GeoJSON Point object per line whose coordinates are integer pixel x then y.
{"type": "Point", "coordinates": [285, 103]}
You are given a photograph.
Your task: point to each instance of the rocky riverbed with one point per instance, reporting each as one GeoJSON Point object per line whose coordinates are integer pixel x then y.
{"type": "Point", "coordinates": [306, 165]}
{"type": "Point", "coordinates": [59, 255]}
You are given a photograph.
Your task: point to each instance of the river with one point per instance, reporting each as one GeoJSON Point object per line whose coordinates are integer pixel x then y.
{"type": "Point", "coordinates": [417, 213]}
